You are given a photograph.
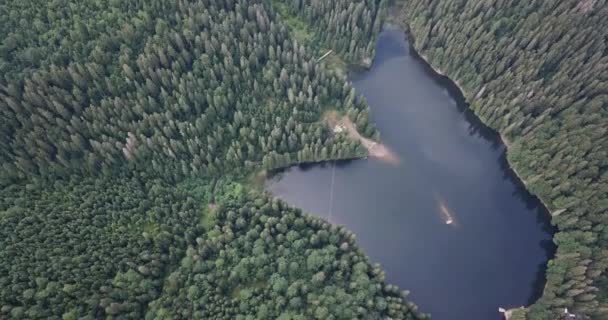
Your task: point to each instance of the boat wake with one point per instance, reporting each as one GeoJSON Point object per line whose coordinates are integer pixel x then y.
{"type": "Point", "coordinates": [446, 214]}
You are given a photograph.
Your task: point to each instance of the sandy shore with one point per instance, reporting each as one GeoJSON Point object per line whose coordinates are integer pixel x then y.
{"type": "Point", "coordinates": [374, 149]}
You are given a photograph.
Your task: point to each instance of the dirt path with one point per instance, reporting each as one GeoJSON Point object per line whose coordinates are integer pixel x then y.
{"type": "Point", "coordinates": [374, 149]}
{"type": "Point", "coordinates": [508, 314]}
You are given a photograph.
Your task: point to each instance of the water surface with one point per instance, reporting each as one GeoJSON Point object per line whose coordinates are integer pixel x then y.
{"type": "Point", "coordinates": [492, 255]}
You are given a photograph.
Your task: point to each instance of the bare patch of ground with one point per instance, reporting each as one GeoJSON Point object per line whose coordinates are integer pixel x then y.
{"type": "Point", "coordinates": [505, 140]}
{"type": "Point", "coordinates": [512, 314]}
{"type": "Point", "coordinates": [374, 149]}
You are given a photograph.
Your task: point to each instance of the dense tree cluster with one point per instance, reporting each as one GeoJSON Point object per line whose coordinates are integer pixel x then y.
{"type": "Point", "coordinates": [197, 97]}
{"type": "Point", "coordinates": [537, 71]}
{"type": "Point", "coordinates": [264, 260]}
{"type": "Point", "coordinates": [348, 27]}
{"type": "Point", "coordinates": [37, 35]}
{"type": "Point", "coordinates": [90, 247]}
{"type": "Point", "coordinates": [123, 124]}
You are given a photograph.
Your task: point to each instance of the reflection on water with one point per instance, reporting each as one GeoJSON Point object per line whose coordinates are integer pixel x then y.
{"type": "Point", "coordinates": [450, 223]}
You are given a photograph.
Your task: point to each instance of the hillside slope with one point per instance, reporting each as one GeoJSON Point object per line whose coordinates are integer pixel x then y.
{"type": "Point", "coordinates": [537, 71]}
{"type": "Point", "coordinates": [128, 134]}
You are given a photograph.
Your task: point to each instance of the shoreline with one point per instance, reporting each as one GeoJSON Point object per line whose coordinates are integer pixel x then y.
{"type": "Point", "coordinates": [492, 135]}
{"type": "Point", "coordinates": [507, 314]}
{"type": "Point", "coordinates": [375, 149]}
{"type": "Point", "coordinates": [501, 137]}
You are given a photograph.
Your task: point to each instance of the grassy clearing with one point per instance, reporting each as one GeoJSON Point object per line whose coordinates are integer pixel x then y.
{"type": "Point", "coordinates": [208, 217]}
{"type": "Point", "coordinates": [241, 292]}
{"type": "Point", "coordinates": [151, 229]}
{"type": "Point", "coordinates": [298, 28]}
{"type": "Point", "coordinates": [304, 34]}
{"type": "Point", "coordinates": [256, 180]}
{"type": "Point", "coordinates": [335, 62]}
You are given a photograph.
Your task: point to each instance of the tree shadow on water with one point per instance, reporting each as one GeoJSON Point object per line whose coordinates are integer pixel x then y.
{"type": "Point", "coordinates": [539, 282]}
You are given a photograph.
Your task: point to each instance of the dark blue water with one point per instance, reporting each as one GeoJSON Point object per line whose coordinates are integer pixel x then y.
{"type": "Point", "coordinates": [494, 253]}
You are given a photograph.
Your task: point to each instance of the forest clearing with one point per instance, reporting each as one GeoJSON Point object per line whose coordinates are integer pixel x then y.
{"type": "Point", "coordinates": [374, 149]}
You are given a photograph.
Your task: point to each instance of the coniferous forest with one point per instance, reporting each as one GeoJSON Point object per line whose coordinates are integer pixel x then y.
{"type": "Point", "coordinates": [537, 72]}
{"type": "Point", "coordinates": [132, 134]}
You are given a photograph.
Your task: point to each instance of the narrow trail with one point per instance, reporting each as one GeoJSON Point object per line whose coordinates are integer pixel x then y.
{"type": "Point", "coordinates": [331, 191]}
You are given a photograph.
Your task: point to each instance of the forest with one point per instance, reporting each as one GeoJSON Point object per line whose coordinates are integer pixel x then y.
{"type": "Point", "coordinates": [537, 72]}
{"type": "Point", "coordinates": [132, 134]}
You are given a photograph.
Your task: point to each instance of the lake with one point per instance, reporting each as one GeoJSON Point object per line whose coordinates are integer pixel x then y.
{"type": "Point", "coordinates": [452, 170]}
